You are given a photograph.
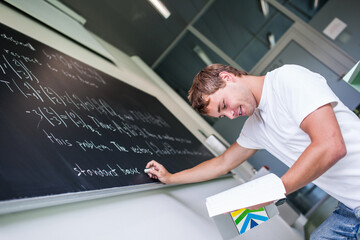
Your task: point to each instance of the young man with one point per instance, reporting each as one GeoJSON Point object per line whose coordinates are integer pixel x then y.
{"type": "Point", "coordinates": [295, 116]}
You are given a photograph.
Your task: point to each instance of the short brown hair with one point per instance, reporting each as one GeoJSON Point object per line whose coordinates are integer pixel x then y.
{"type": "Point", "coordinates": [207, 82]}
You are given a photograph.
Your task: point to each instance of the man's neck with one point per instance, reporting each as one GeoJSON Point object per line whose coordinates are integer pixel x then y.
{"type": "Point", "coordinates": [255, 84]}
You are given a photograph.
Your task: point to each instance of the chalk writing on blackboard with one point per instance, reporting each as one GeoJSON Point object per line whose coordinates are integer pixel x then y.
{"type": "Point", "coordinates": [68, 127]}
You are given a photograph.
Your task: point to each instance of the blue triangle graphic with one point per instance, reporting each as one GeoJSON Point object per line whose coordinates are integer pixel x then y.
{"type": "Point", "coordinates": [248, 218]}
{"type": "Point", "coordinates": [253, 223]}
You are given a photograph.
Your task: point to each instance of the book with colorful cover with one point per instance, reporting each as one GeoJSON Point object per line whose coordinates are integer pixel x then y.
{"type": "Point", "coordinates": [246, 219]}
{"type": "Point", "coordinates": [258, 191]}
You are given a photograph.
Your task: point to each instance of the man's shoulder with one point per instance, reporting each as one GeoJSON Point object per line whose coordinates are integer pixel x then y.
{"type": "Point", "coordinates": [291, 74]}
{"type": "Point", "coordinates": [290, 69]}
{"type": "Point", "coordinates": [282, 76]}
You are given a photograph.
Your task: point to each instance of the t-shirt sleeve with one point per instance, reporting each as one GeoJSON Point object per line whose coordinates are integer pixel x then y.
{"type": "Point", "coordinates": [244, 139]}
{"type": "Point", "coordinates": [302, 91]}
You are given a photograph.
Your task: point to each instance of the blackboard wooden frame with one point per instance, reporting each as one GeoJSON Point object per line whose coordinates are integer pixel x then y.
{"type": "Point", "coordinates": [48, 201]}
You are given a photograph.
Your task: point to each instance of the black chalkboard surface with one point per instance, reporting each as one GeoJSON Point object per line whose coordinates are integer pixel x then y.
{"type": "Point", "coordinates": [69, 128]}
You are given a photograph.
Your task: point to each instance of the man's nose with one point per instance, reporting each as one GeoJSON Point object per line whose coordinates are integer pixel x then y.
{"type": "Point", "coordinates": [230, 114]}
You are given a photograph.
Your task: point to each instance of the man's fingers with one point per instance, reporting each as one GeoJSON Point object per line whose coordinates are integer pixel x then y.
{"type": "Point", "coordinates": [153, 172]}
{"type": "Point", "coordinates": [150, 164]}
{"type": "Point", "coordinates": [152, 176]}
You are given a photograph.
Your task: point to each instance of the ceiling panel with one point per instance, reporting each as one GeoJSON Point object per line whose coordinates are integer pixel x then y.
{"type": "Point", "coordinates": [134, 26]}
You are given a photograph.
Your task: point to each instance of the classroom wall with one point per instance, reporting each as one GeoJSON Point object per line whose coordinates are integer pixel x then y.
{"type": "Point", "coordinates": [346, 11]}
{"type": "Point", "coordinates": [176, 212]}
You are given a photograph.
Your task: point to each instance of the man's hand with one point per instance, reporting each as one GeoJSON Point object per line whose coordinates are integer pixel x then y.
{"type": "Point", "coordinates": [158, 171]}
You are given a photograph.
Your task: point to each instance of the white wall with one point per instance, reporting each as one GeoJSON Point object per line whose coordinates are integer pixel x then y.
{"type": "Point", "coordinates": [176, 212]}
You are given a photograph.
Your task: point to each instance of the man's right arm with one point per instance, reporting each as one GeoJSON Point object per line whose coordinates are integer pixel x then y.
{"type": "Point", "coordinates": [215, 167]}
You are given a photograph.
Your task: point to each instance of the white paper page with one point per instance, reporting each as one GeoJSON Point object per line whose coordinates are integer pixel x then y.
{"type": "Point", "coordinates": [264, 189]}
{"type": "Point", "coordinates": [334, 29]}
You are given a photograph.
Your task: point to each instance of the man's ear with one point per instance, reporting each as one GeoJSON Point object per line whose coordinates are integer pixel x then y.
{"type": "Point", "coordinates": [225, 76]}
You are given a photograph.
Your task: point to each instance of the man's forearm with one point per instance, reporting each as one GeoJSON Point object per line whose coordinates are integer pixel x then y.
{"type": "Point", "coordinates": [215, 167]}
{"type": "Point", "coordinates": [204, 171]}
{"type": "Point", "coordinates": [231, 158]}
{"type": "Point", "coordinates": [312, 163]}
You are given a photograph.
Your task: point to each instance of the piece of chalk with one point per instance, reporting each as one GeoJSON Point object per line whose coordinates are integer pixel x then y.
{"type": "Point", "coordinates": [146, 170]}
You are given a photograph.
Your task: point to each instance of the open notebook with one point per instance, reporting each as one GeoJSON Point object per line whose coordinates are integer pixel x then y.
{"type": "Point", "coordinates": [260, 190]}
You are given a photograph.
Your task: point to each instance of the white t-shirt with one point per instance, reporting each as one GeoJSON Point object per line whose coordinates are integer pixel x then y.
{"type": "Point", "coordinates": [290, 93]}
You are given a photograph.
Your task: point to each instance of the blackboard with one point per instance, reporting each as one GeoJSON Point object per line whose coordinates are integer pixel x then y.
{"type": "Point", "coordinates": [69, 128]}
